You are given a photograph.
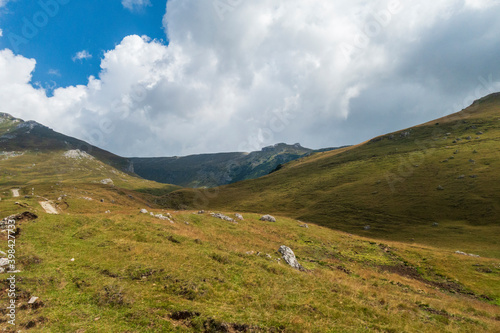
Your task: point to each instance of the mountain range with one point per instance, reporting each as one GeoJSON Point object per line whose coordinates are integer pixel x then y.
{"type": "Point", "coordinates": [396, 234]}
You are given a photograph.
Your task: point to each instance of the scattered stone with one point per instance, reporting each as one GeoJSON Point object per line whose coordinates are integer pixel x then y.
{"type": "Point", "coordinates": [250, 253]}
{"type": "Point", "coordinates": [440, 188]}
{"type": "Point", "coordinates": [469, 138]}
{"type": "Point", "coordinates": [451, 158]}
{"type": "Point", "coordinates": [467, 254]}
{"type": "Point", "coordinates": [102, 200]}
{"type": "Point", "coordinates": [268, 256]}
{"type": "Point", "coordinates": [268, 218]}
{"type": "Point", "coordinates": [435, 224]}
{"type": "Point", "coordinates": [201, 212]}
{"type": "Point", "coordinates": [4, 262]}
{"type": "Point", "coordinates": [77, 155]}
{"type": "Point", "coordinates": [473, 176]}
{"type": "Point", "coordinates": [405, 134]}
{"type": "Point", "coordinates": [367, 227]}
{"type": "Point", "coordinates": [461, 177]}
{"type": "Point", "coordinates": [222, 217]}
{"type": "Point", "coordinates": [239, 217]}
{"type": "Point", "coordinates": [448, 134]}
{"type": "Point", "coordinates": [186, 222]}
{"type": "Point", "coordinates": [304, 226]}
{"type": "Point", "coordinates": [107, 212]}
{"type": "Point", "coordinates": [454, 141]}
{"type": "Point", "coordinates": [289, 257]}
{"type": "Point", "coordinates": [72, 259]}
{"type": "Point", "coordinates": [32, 300]}
{"type": "Point", "coordinates": [444, 161]}
{"type": "Point", "coordinates": [144, 211]}
{"type": "Point", "coordinates": [479, 133]}
{"type": "Point", "coordinates": [107, 181]}
{"type": "Point", "coordinates": [472, 161]}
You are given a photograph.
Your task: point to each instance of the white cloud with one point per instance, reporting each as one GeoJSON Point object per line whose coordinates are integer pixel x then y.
{"type": "Point", "coordinates": [269, 71]}
{"type": "Point", "coordinates": [1, 33]}
{"type": "Point", "coordinates": [135, 5]}
{"type": "Point", "coordinates": [82, 55]}
{"type": "Point", "coordinates": [3, 3]}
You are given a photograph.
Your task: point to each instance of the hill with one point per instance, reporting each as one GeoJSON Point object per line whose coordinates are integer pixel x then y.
{"type": "Point", "coordinates": [96, 251]}
{"type": "Point", "coordinates": [210, 170]}
{"type": "Point", "coordinates": [414, 185]}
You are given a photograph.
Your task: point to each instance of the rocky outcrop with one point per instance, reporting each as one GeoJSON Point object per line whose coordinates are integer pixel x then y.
{"type": "Point", "coordinates": [268, 218]}
{"type": "Point", "coordinates": [289, 257]}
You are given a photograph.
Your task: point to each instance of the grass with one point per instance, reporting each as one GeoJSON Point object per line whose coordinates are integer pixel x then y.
{"type": "Point", "coordinates": [133, 272]}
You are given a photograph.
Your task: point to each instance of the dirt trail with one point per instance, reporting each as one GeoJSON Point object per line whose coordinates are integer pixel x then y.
{"type": "Point", "coordinates": [15, 192]}
{"type": "Point", "coordinates": [48, 207]}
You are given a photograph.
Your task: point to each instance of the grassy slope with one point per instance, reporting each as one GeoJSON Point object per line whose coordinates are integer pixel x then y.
{"type": "Point", "coordinates": [391, 184]}
{"type": "Point", "coordinates": [133, 273]}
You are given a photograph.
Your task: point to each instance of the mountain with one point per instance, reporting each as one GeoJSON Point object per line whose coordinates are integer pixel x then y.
{"type": "Point", "coordinates": [97, 250]}
{"type": "Point", "coordinates": [19, 135]}
{"type": "Point", "coordinates": [210, 170]}
{"type": "Point", "coordinates": [414, 185]}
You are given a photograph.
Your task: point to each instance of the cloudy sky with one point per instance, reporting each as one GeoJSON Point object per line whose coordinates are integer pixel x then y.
{"type": "Point", "coordinates": [157, 78]}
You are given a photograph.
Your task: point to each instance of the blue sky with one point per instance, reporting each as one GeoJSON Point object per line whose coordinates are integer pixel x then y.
{"type": "Point", "coordinates": [239, 75]}
{"type": "Point", "coordinates": [92, 26]}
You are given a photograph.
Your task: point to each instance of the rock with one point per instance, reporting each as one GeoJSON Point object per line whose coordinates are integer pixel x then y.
{"type": "Point", "coordinates": [467, 254]}
{"type": "Point", "coordinates": [107, 212]}
{"type": "Point", "coordinates": [4, 262]}
{"type": "Point", "coordinates": [107, 181]}
{"type": "Point", "coordinates": [440, 188]}
{"type": "Point", "coordinates": [268, 218]}
{"type": "Point", "coordinates": [473, 176]}
{"type": "Point", "coordinates": [222, 217]}
{"type": "Point", "coordinates": [102, 200]}
{"type": "Point", "coordinates": [367, 227]}
{"type": "Point", "coordinates": [289, 257]}
{"type": "Point", "coordinates": [201, 212]}
{"type": "Point", "coordinates": [469, 138]}
{"type": "Point", "coordinates": [435, 224]}
{"type": "Point", "coordinates": [32, 300]}
{"type": "Point", "coordinates": [479, 133]}
{"type": "Point", "coordinates": [72, 259]}
{"type": "Point", "coordinates": [456, 152]}
{"type": "Point", "coordinates": [472, 161]}
{"type": "Point", "coordinates": [461, 177]}
{"type": "Point", "coordinates": [304, 226]}
{"type": "Point", "coordinates": [144, 211]}
{"type": "Point", "coordinates": [239, 217]}
{"type": "Point", "coordinates": [268, 256]}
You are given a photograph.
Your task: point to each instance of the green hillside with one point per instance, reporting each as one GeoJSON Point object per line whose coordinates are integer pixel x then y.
{"type": "Point", "coordinates": [414, 185]}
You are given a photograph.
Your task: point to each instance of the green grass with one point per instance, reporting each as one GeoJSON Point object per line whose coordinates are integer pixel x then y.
{"type": "Point", "coordinates": [133, 272]}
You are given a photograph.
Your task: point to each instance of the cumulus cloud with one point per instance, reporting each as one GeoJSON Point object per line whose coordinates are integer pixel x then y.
{"type": "Point", "coordinates": [82, 55]}
{"type": "Point", "coordinates": [1, 33]}
{"type": "Point", "coordinates": [241, 75]}
{"type": "Point", "coordinates": [135, 5]}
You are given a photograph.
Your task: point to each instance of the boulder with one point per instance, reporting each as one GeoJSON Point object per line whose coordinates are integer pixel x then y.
{"type": "Point", "coordinates": [289, 257]}
{"type": "Point", "coordinates": [144, 211]}
{"type": "Point", "coordinates": [440, 188]}
{"type": "Point", "coordinates": [268, 218]}
{"type": "Point", "coordinates": [239, 217]}
{"type": "Point", "coordinates": [222, 217]}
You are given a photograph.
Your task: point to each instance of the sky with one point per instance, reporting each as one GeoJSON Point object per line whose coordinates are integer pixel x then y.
{"type": "Point", "coordinates": [158, 78]}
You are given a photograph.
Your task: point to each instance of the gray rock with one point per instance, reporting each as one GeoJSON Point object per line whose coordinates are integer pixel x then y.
{"type": "Point", "coordinates": [473, 176]}
{"type": "Point", "coordinates": [144, 211]}
{"type": "Point", "coordinates": [4, 262]}
{"type": "Point", "coordinates": [268, 218]}
{"type": "Point", "coordinates": [289, 257]}
{"type": "Point", "coordinates": [469, 138]}
{"type": "Point", "coordinates": [440, 188]}
{"type": "Point", "coordinates": [479, 133]}
{"type": "Point", "coordinates": [367, 227]}
{"type": "Point", "coordinates": [222, 217]}
{"type": "Point", "coordinates": [201, 212]}
{"type": "Point", "coordinates": [461, 177]}
{"type": "Point", "coordinates": [435, 224]}
{"type": "Point", "coordinates": [304, 226]}
{"type": "Point", "coordinates": [239, 217]}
